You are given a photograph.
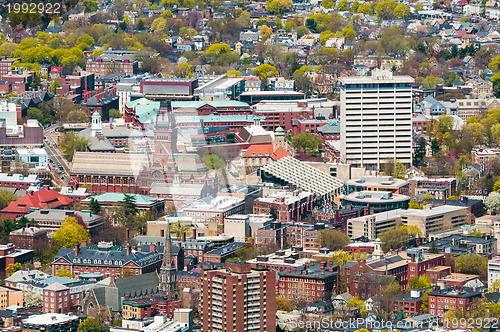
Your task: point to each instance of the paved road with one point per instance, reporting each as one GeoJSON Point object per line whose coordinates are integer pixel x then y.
{"type": "Point", "coordinates": [55, 154]}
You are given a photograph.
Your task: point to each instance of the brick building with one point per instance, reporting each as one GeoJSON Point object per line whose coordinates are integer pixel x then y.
{"type": "Point", "coordinates": [443, 300]}
{"type": "Point", "coordinates": [448, 184]}
{"type": "Point", "coordinates": [314, 281]}
{"type": "Point", "coordinates": [483, 156]}
{"type": "Point", "coordinates": [28, 237]}
{"type": "Point", "coordinates": [103, 67]}
{"type": "Point", "coordinates": [51, 322]}
{"type": "Point", "coordinates": [19, 181]}
{"type": "Point", "coordinates": [238, 298]}
{"type": "Point", "coordinates": [285, 206]}
{"type": "Point", "coordinates": [105, 259]}
{"type": "Point", "coordinates": [45, 198]}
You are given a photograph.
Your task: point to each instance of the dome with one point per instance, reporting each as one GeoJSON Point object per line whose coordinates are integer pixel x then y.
{"type": "Point", "coordinates": [279, 130]}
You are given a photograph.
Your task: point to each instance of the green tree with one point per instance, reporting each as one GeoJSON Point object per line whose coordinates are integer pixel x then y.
{"type": "Point", "coordinates": [302, 82]}
{"type": "Point", "coordinates": [94, 206]}
{"type": "Point", "coordinates": [430, 82]}
{"type": "Point", "coordinates": [264, 71]}
{"type": "Point", "coordinates": [399, 170]}
{"type": "Point", "coordinates": [6, 197]}
{"type": "Point", "coordinates": [394, 238]}
{"type": "Point", "coordinates": [13, 267]}
{"type": "Point", "coordinates": [183, 70]}
{"type": "Point", "coordinates": [433, 248]}
{"type": "Point", "coordinates": [356, 302]}
{"type": "Point", "coordinates": [265, 32]}
{"type": "Point", "coordinates": [306, 142]}
{"type": "Point", "coordinates": [343, 5]}
{"type": "Point", "coordinates": [70, 143]}
{"type": "Point", "coordinates": [472, 264]}
{"type": "Point", "coordinates": [435, 146]}
{"type": "Point", "coordinates": [64, 273]}
{"type": "Point", "coordinates": [494, 287]}
{"type": "Point", "coordinates": [419, 7]}
{"type": "Point", "coordinates": [476, 233]}
{"type": "Point", "coordinates": [302, 31]}
{"type": "Point", "coordinates": [53, 86]}
{"type": "Point", "coordinates": [214, 161]}
{"type": "Point", "coordinates": [279, 7]}
{"type": "Point", "coordinates": [70, 233]}
{"type": "Point", "coordinates": [128, 205]}
{"type": "Point", "coordinates": [115, 114]}
{"type": "Point", "coordinates": [385, 10]}
{"type": "Point", "coordinates": [413, 204]}
{"type": "Point", "coordinates": [365, 8]}
{"type": "Point", "coordinates": [402, 11]}
{"type": "Point", "coordinates": [90, 325]}
{"type": "Point", "coordinates": [290, 25]}
{"type": "Point", "coordinates": [419, 283]}
{"type": "Point", "coordinates": [332, 239]}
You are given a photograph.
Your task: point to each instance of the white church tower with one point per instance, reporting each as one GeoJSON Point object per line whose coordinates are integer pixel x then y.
{"type": "Point", "coordinates": [96, 126]}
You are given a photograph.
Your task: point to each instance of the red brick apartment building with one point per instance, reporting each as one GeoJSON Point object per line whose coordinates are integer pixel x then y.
{"type": "Point", "coordinates": [443, 300]}
{"type": "Point", "coordinates": [238, 298]}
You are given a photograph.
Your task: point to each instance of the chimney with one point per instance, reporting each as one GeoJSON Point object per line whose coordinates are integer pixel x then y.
{"type": "Point", "coordinates": [84, 243]}
{"type": "Point", "coordinates": [183, 237]}
{"type": "Point", "coordinates": [194, 233]}
{"type": "Point", "coordinates": [179, 245]}
{"type": "Point", "coordinates": [152, 248]}
{"type": "Point", "coordinates": [129, 249]}
{"type": "Point", "coordinates": [322, 272]}
{"type": "Point", "coordinates": [127, 234]}
{"type": "Point", "coordinates": [77, 249]}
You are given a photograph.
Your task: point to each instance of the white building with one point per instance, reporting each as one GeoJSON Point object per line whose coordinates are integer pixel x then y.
{"type": "Point", "coordinates": [376, 119]}
{"type": "Point", "coordinates": [493, 270]}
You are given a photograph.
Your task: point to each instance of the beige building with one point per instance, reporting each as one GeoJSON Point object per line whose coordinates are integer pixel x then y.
{"type": "Point", "coordinates": [10, 296]}
{"type": "Point", "coordinates": [428, 221]}
{"type": "Point", "coordinates": [237, 225]}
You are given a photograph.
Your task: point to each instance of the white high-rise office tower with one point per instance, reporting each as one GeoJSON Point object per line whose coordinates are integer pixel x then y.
{"type": "Point", "coordinates": [376, 119]}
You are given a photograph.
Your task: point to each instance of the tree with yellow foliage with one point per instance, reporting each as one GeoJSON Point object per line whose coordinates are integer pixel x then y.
{"type": "Point", "coordinates": [265, 32]}
{"type": "Point", "coordinates": [70, 233]}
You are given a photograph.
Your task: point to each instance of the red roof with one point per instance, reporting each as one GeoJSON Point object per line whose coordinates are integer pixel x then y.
{"type": "Point", "coordinates": [259, 150]}
{"type": "Point", "coordinates": [41, 199]}
{"type": "Point", "coordinates": [280, 153]}
{"type": "Point", "coordinates": [56, 69]}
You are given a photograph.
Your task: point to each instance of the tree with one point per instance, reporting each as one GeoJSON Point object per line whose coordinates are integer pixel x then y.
{"type": "Point", "coordinates": [115, 114]}
{"type": "Point", "coordinates": [365, 8]}
{"type": "Point", "coordinates": [356, 302]}
{"type": "Point", "coordinates": [302, 31]}
{"type": "Point", "coordinates": [183, 70]}
{"type": "Point", "coordinates": [343, 5]}
{"type": "Point", "coordinates": [94, 206]}
{"type": "Point", "coordinates": [6, 197]}
{"type": "Point", "coordinates": [32, 299]}
{"type": "Point", "coordinates": [214, 161]}
{"type": "Point", "coordinates": [419, 154]}
{"type": "Point", "coordinates": [385, 10]}
{"type": "Point", "coordinates": [265, 32]}
{"type": "Point", "coordinates": [70, 143]}
{"type": "Point", "coordinates": [472, 264]}
{"type": "Point", "coordinates": [332, 239]}
{"type": "Point", "coordinates": [306, 142]}
{"type": "Point", "coordinates": [90, 325]}
{"type": "Point", "coordinates": [402, 11]}
{"type": "Point", "coordinates": [217, 48]}
{"type": "Point", "coordinates": [419, 7]}
{"type": "Point", "coordinates": [53, 86]}
{"type": "Point", "coordinates": [70, 233]}
{"type": "Point", "coordinates": [413, 204]}
{"type": "Point", "coordinates": [128, 206]}
{"type": "Point", "coordinates": [127, 272]}
{"type": "Point", "coordinates": [430, 82]}
{"type": "Point", "coordinates": [302, 82]}
{"type": "Point", "coordinates": [399, 170]}
{"type": "Point", "coordinates": [264, 71]}
{"type": "Point", "coordinates": [435, 146]}
{"type": "Point", "coordinates": [279, 7]}
{"type": "Point", "coordinates": [290, 25]}
{"type": "Point", "coordinates": [283, 304]}
{"type": "Point", "coordinates": [13, 267]}
{"type": "Point", "coordinates": [64, 273]}
{"type": "Point", "coordinates": [492, 201]}
{"type": "Point", "coordinates": [419, 283]}
{"type": "Point", "coordinates": [393, 238]}
{"type": "Point", "coordinates": [233, 73]}
{"type": "Point", "coordinates": [494, 287]}
{"type": "Point", "coordinates": [433, 248]}
{"type": "Point", "coordinates": [476, 233]}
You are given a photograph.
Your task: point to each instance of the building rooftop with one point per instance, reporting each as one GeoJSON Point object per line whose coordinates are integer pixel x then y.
{"type": "Point", "coordinates": [219, 202]}
{"type": "Point", "coordinates": [118, 197]}
{"type": "Point", "coordinates": [49, 319]}
{"type": "Point", "coordinates": [125, 164]}
{"type": "Point", "coordinates": [375, 197]}
{"type": "Point", "coordinates": [379, 181]}
{"type": "Point", "coordinates": [303, 176]}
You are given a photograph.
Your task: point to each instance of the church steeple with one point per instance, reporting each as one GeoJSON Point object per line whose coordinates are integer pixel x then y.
{"type": "Point", "coordinates": [168, 273]}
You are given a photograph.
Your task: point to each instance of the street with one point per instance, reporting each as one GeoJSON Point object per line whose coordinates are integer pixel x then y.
{"type": "Point", "coordinates": [50, 144]}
